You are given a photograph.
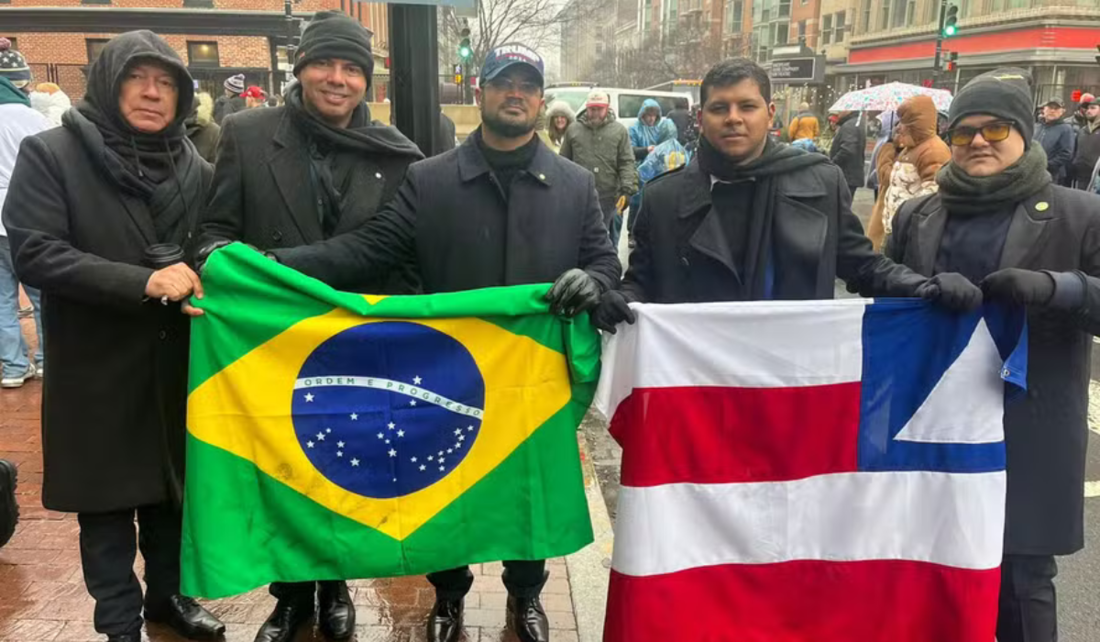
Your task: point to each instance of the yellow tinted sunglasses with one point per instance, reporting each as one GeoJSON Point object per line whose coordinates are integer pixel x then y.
{"type": "Point", "coordinates": [993, 132]}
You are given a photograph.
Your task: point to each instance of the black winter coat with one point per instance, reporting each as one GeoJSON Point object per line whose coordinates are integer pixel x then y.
{"type": "Point", "coordinates": [849, 148]}
{"type": "Point", "coordinates": [680, 253]}
{"type": "Point", "coordinates": [451, 216]}
{"type": "Point", "coordinates": [1046, 433]}
{"type": "Point", "coordinates": [113, 404]}
{"type": "Point", "coordinates": [263, 195]}
{"type": "Point", "coordinates": [227, 106]}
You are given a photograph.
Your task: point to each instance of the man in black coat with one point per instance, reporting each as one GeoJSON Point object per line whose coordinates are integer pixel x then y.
{"type": "Point", "coordinates": [231, 102]}
{"type": "Point", "coordinates": [501, 209]}
{"type": "Point", "coordinates": [97, 211]}
{"type": "Point", "coordinates": [999, 220]}
{"type": "Point", "coordinates": [849, 149]}
{"type": "Point", "coordinates": [323, 169]}
{"type": "Point", "coordinates": [1057, 139]}
{"type": "Point", "coordinates": [752, 219]}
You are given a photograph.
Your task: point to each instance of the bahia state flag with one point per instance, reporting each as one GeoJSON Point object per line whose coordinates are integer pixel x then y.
{"type": "Point", "coordinates": [819, 471]}
{"type": "Point", "coordinates": [335, 435]}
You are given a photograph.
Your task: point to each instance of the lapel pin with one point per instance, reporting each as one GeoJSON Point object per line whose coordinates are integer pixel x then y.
{"type": "Point", "coordinates": [1042, 206]}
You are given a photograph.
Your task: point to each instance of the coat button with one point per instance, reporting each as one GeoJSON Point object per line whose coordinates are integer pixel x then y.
{"type": "Point", "coordinates": [596, 170]}
{"type": "Point", "coordinates": [163, 335]}
{"type": "Point", "coordinates": [684, 261]}
{"type": "Point", "coordinates": [276, 235]}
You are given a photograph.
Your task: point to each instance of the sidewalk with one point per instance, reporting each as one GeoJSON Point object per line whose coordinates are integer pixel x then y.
{"type": "Point", "coordinates": [43, 599]}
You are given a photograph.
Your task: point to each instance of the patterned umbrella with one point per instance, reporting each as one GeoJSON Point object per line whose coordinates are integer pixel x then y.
{"type": "Point", "coordinates": [888, 97]}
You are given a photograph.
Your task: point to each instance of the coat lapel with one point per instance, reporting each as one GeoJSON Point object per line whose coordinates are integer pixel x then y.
{"type": "Point", "coordinates": [926, 237]}
{"type": "Point", "coordinates": [142, 218]}
{"type": "Point", "coordinates": [294, 184]}
{"type": "Point", "coordinates": [1028, 228]}
{"type": "Point", "coordinates": [709, 238]}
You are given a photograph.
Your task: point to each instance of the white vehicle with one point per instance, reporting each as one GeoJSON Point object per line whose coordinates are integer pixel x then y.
{"type": "Point", "coordinates": [626, 102]}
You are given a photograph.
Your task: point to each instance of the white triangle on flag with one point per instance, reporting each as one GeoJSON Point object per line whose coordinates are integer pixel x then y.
{"type": "Point", "coordinates": [967, 404]}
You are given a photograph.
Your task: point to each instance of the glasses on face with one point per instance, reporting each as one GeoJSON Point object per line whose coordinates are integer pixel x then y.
{"type": "Point", "coordinates": [525, 87]}
{"type": "Point", "coordinates": [993, 132]}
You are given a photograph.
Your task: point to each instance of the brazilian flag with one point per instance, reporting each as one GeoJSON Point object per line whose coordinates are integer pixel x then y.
{"type": "Point", "coordinates": [334, 435]}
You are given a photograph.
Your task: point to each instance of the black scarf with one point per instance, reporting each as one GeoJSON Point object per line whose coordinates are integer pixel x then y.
{"type": "Point", "coordinates": [336, 154]}
{"type": "Point", "coordinates": [963, 194]}
{"type": "Point", "coordinates": [161, 169]}
{"type": "Point", "coordinates": [776, 159]}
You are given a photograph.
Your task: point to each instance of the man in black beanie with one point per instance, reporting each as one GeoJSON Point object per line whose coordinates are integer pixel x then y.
{"type": "Point", "coordinates": [999, 220]}
{"type": "Point", "coordinates": [326, 169]}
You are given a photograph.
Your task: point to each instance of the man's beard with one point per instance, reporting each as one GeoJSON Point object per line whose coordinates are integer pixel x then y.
{"type": "Point", "coordinates": [506, 129]}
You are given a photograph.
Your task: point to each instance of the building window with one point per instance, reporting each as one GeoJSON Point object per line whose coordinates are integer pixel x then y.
{"type": "Point", "coordinates": [735, 12]}
{"type": "Point", "coordinates": [866, 12]}
{"type": "Point", "coordinates": [782, 33]}
{"type": "Point", "coordinates": [784, 8]}
{"type": "Point", "coordinates": [95, 47]}
{"type": "Point", "coordinates": [911, 12]}
{"type": "Point", "coordinates": [95, 1]}
{"type": "Point", "coordinates": [899, 12]}
{"type": "Point", "coordinates": [838, 24]}
{"type": "Point", "coordinates": [884, 15]}
{"type": "Point", "coordinates": [802, 31]}
{"type": "Point", "coordinates": [202, 54]}
{"type": "Point", "coordinates": [827, 30]}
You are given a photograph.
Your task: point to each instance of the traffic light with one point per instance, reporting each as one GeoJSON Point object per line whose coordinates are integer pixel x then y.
{"type": "Point", "coordinates": [952, 61]}
{"type": "Point", "coordinates": [951, 21]}
{"type": "Point", "coordinates": [1098, 57]}
{"type": "Point", "coordinates": [465, 50]}
{"type": "Point", "coordinates": [1075, 96]}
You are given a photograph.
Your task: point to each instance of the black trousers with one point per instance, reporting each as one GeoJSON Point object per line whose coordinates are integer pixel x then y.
{"type": "Point", "coordinates": [1028, 610]}
{"type": "Point", "coordinates": [523, 579]}
{"type": "Point", "coordinates": [108, 547]}
{"type": "Point", "coordinates": [300, 591]}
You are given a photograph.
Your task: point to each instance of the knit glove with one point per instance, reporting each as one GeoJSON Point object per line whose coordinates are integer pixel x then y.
{"type": "Point", "coordinates": [951, 290]}
{"type": "Point", "coordinates": [1064, 290]}
{"type": "Point", "coordinates": [612, 310]}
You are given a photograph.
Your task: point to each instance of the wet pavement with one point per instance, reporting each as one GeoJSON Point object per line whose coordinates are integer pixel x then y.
{"type": "Point", "coordinates": [43, 599]}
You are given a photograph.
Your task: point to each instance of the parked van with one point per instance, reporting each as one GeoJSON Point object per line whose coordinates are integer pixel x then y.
{"type": "Point", "coordinates": [626, 102]}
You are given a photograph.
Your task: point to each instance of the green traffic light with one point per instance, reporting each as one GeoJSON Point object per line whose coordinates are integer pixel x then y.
{"type": "Point", "coordinates": [950, 30]}
{"type": "Point", "coordinates": [464, 52]}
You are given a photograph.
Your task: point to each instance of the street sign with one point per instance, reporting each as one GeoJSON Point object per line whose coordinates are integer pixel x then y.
{"type": "Point", "coordinates": [797, 70]}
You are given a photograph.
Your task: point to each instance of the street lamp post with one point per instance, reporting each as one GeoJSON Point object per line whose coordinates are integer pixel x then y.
{"type": "Point", "coordinates": [939, 41]}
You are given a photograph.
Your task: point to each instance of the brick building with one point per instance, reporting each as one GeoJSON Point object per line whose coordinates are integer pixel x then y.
{"type": "Point", "coordinates": [215, 38]}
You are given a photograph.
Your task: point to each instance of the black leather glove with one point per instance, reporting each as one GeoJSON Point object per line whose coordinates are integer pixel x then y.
{"type": "Point", "coordinates": [612, 310]}
{"type": "Point", "coordinates": [574, 292]}
{"type": "Point", "coordinates": [951, 290]}
{"type": "Point", "coordinates": [204, 252]}
{"type": "Point", "coordinates": [1022, 287]}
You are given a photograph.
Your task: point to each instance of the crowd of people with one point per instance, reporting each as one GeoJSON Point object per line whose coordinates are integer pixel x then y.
{"type": "Point", "coordinates": [112, 215]}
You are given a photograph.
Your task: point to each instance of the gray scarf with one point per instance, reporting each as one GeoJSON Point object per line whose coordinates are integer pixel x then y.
{"type": "Point", "coordinates": [964, 194]}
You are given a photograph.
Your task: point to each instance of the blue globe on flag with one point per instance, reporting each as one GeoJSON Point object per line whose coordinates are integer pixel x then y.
{"type": "Point", "coordinates": [387, 409]}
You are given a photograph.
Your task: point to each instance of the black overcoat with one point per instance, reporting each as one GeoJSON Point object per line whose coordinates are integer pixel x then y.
{"type": "Point", "coordinates": [1046, 433]}
{"type": "Point", "coordinates": [113, 403]}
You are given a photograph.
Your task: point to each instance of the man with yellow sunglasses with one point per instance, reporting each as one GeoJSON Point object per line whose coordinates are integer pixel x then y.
{"type": "Point", "coordinates": [1000, 221]}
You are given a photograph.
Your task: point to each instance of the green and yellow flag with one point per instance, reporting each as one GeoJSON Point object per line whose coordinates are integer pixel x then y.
{"type": "Point", "coordinates": [335, 435]}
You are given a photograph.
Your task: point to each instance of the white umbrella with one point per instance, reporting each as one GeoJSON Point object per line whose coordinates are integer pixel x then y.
{"type": "Point", "coordinates": [888, 97]}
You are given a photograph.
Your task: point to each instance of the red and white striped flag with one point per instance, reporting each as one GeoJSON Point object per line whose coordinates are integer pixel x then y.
{"type": "Point", "coordinates": [820, 471]}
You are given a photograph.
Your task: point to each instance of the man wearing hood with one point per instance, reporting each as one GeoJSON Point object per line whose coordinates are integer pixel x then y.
{"type": "Point", "coordinates": [559, 116]}
{"type": "Point", "coordinates": [650, 130]}
{"type": "Point", "coordinates": [501, 209]}
{"type": "Point", "coordinates": [326, 169]}
{"type": "Point", "coordinates": [232, 101]}
{"type": "Point", "coordinates": [600, 144]}
{"type": "Point", "coordinates": [98, 211]}
{"type": "Point", "coordinates": [999, 220]}
{"type": "Point", "coordinates": [752, 219]}
{"type": "Point", "coordinates": [1087, 149]}
{"type": "Point", "coordinates": [1057, 139]}
{"type": "Point", "coordinates": [201, 128]}
{"type": "Point", "coordinates": [17, 121]}
{"type": "Point", "coordinates": [917, 154]}
{"type": "Point", "coordinates": [849, 149]}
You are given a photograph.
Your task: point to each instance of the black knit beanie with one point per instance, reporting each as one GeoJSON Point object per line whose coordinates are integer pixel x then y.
{"type": "Point", "coordinates": [332, 34]}
{"type": "Point", "coordinates": [1004, 93]}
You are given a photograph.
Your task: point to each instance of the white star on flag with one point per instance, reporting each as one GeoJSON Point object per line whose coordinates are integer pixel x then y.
{"type": "Point", "coordinates": [430, 458]}
{"type": "Point", "coordinates": [339, 444]}
{"type": "Point", "coordinates": [400, 433]}
{"type": "Point", "coordinates": [413, 402]}
{"type": "Point", "coordinates": [458, 431]}
{"type": "Point", "coordinates": [309, 444]}
{"type": "Point", "coordinates": [450, 450]}
{"type": "Point", "coordinates": [470, 428]}
{"type": "Point", "coordinates": [354, 462]}
{"type": "Point", "coordinates": [309, 397]}
{"type": "Point", "coordinates": [355, 416]}
{"type": "Point", "coordinates": [393, 453]}
{"type": "Point", "coordinates": [440, 469]}
{"type": "Point", "coordinates": [462, 437]}
{"type": "Point", "coordinates": [422, 467]}
{"type": "Point", "coordinates": [328, 429]}
{"type": "Point", "coordinates": [416, 380]}
{"type": "Point", "coordinates": [339, 453]}
{"type": "Point", "coordinates": [458, 444]}
{"type": "Point", "coordinates": [320, 436]}
{"type": "Point", "coordinates": [440, 453]}
{"type": "Point", "coordinates": [380, 435]}
{"type": "Point", "coordinates": [413, 460]}
{"type": "Point", "coordinates": [391, 425]}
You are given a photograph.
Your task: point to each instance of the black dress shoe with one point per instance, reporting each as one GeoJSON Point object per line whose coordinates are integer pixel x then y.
{"type": "Point", "coordinates": [285, 620]}
{"type": "Point", "coordinates": [335, 612]}
{"type": "Point", "coordinates": [528, 619]}
{"type": "Point", "coordinates": [184, 616]}
{"type": "Point", "coordinates": [445, 621]}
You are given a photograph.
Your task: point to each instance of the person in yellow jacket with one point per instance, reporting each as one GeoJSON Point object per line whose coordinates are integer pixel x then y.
{"type": "Point", "coordinates": [804, 125]}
